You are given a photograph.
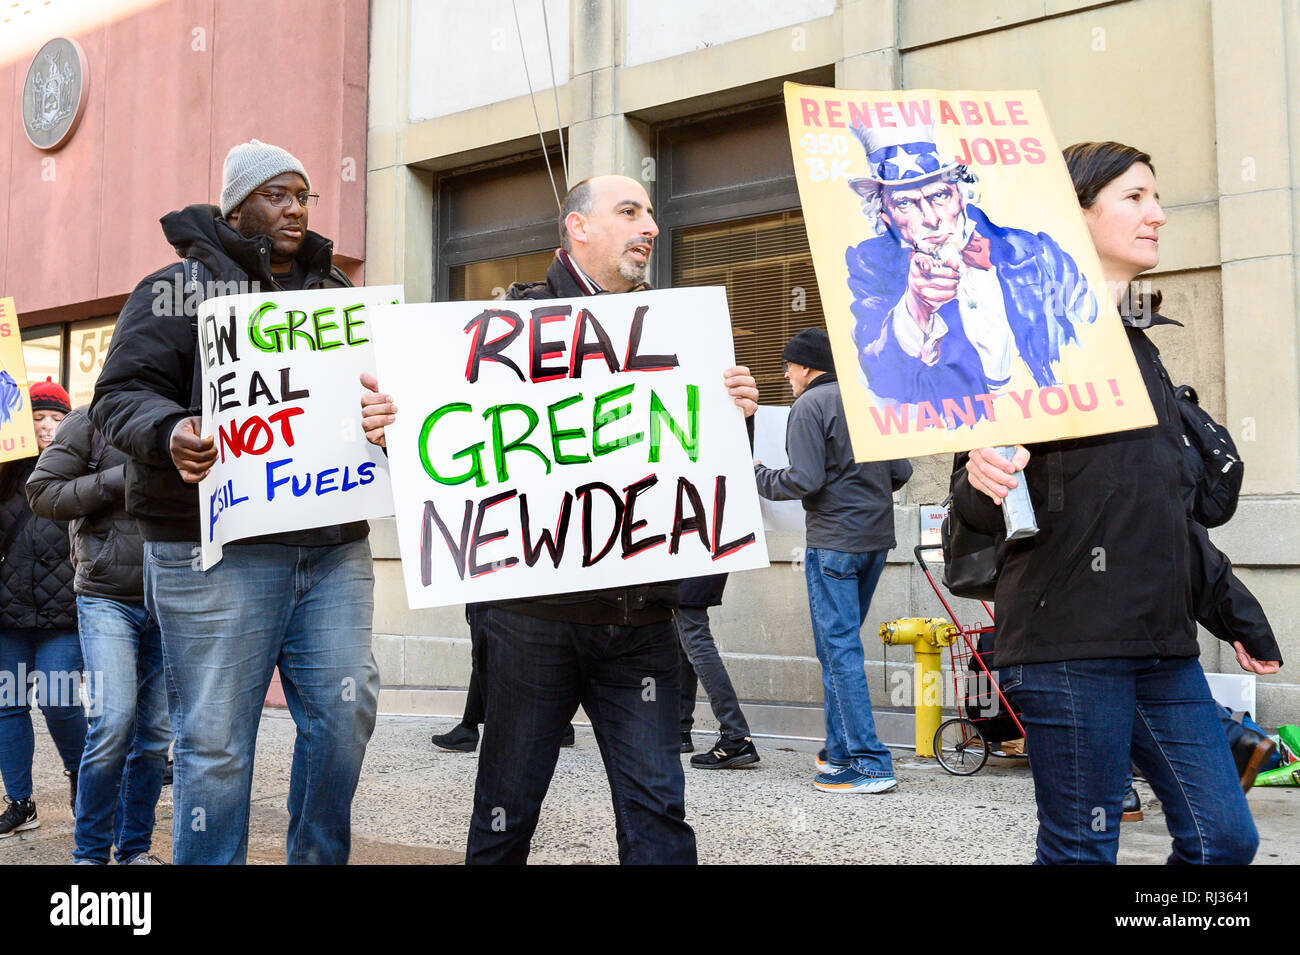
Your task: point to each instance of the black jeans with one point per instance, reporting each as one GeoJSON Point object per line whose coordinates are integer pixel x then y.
{"type": "Point", "coordinates": [626, 680]}
{"type": "Point", "coordinates": [474, 704]}
{"type": "Point", "coordinates": [706, 665]}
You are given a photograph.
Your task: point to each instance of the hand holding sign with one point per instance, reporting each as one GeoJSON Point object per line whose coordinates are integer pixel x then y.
{"type": "Point", "coordinates": [377, 410]}
{"type": "Point", "coordinates": [743, 389]}
{"type": "Point", "coordinates": [192, 454]}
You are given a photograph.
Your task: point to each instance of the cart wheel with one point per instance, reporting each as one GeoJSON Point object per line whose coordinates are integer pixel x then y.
{"type": "Point", "coordinates": [960, 747]}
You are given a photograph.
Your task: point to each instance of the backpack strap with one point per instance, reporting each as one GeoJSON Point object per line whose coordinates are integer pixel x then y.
{"type": "Point", "coordinates": [198, 279]}
{"type": "Point", "coordinates": [1055, 482]}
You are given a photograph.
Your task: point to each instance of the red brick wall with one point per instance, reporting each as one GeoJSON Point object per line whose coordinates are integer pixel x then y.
{"type": "Point", "coordinates": [160, 117]}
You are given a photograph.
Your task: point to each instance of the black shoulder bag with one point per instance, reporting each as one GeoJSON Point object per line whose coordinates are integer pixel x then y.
{"type": "Point", "coordinates": [971, 558]}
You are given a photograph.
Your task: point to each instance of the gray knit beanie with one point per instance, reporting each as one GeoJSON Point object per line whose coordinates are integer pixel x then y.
{"type": "Point", "coordinates": [250, 164]}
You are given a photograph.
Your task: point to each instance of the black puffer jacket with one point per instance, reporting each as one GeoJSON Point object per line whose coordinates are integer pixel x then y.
{"type": "Point", "coordinates": [622, 606]}
{"type": "Point", "coordinates": [36, 576]}
{"type": "Point", "coordinates": [151, 379]}
{"type": "Point", "coordinates": [81, 478]}
{"type": "Point", "coordinates": [1108, 573]}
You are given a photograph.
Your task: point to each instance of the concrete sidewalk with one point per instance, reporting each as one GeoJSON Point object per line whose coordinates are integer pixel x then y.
{"type": "Point", "coordinates": [413, 806]}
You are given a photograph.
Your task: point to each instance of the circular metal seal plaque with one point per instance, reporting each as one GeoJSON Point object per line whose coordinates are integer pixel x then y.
{"type": "Point", "coordinates": [54, 93]}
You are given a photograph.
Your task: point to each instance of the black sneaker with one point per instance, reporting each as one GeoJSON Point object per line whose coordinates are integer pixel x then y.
{"type": "Point", "coordinates": [727, 754]}
{"type": "Point", "coordinates": [569, 738]}
{"type": "Point", "coordinates": [688, 744]}
{"type": "Point", "coordinates": [19, 816]}
{"type": "Point", "coordinates": [460, 739]}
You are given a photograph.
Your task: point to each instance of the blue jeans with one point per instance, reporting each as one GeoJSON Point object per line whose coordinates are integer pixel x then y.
{"type": "Point", "coordinates": [51, 659]}
{"type": "Point", "coordinates": [840, 586]}
{"type": "Point", "coordinates": [126, 749]}
{"type": "Point", "coordinates": [1084, 719]}
{"type": "Point", "coordinates": [626, 680]}
{"type": "Point", "coordinates": [307, 610]}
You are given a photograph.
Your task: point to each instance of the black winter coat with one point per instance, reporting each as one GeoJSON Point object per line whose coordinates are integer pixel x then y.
{"type": "Point", "coordinates": [36, 575]}
{"type": "Point", "coordinates": [151, 377]}
{"type": "Point", "coordinates": [81, 478]}
{"type": "Point", "coordinates": [1223, 604]}
{"type": "Point", "coordinates": [1108, 573]}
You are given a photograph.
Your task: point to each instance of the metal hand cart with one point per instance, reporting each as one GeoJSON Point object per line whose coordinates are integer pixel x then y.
{"type": "Point", "coordinates": [962, 744]}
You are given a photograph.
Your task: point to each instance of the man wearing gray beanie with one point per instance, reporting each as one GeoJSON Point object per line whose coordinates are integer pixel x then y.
{"type": "Point", "coordinates": [849, 511]}
{"type": "Point", "coordinates": [300, 601]}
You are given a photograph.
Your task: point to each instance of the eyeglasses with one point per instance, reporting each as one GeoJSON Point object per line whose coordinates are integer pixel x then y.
{"type": "Point", "coordinates": [280, 199]}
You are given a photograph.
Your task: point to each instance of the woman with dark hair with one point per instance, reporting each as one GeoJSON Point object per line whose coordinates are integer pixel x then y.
{"type": "Point", "coordinates": [1095, 629]}
{"type": "Point", "coordinates": [38, 627]}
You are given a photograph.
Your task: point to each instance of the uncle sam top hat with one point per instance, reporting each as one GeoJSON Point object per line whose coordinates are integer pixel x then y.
{"type": "Point", "coordinates": [898, 156]}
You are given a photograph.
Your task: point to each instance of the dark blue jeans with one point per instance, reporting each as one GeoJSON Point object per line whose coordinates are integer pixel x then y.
{"type": "Point", "coordinates": [48, 662]}
{"type": "Point", "coordinates": [1085, 719]}
{"type": "Point", "coordinates": [626, 680]}
{"type": "Point", "coordinates": [126, 748]}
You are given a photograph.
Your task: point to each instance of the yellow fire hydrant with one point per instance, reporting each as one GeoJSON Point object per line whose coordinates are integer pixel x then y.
{"type": "Point", "coordinates": [927, 637]}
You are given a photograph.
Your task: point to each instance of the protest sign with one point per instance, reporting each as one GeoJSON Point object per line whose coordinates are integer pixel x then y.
{"type": "Point", "coordinates": [557, 446]}
{"type": "Point", "coordinates": [281, 396]}
{"type": "Point", "coordinates": [17, 434]}
{"type": "Point", "coordinates": [964, 300]}
{"type": "Point", "coordinates": [769, 447]}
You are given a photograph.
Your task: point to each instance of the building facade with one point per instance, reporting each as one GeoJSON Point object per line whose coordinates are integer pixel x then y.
{"type": "Point", "coordinates": [168, 88]}
{"type": "Point", "coordinates": [415, 120]}
{"type": "Point", "coordinates": [685, 97]}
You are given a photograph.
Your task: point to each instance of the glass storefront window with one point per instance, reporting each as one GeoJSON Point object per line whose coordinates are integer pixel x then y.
{"type": "Point", "coordinates": [87, 346]}
{"type": "Point", "coordinates": [43, 353]}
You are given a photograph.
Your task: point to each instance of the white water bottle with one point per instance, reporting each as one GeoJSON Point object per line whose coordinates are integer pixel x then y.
{"type": "Point", "coordinates": [1017, 509]}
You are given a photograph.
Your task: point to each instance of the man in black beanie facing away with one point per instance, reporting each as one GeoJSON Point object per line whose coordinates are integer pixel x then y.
{"type": "Point", "coordinates": [850, 528]}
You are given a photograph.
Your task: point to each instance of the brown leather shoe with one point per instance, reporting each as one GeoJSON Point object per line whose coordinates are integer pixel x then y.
{"type": "Point", "coordinates": [1251, 752]}
{"type": "Point", "coordinates": [1132, 806]}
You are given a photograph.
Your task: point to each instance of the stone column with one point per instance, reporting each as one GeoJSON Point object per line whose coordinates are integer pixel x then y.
{"type": "Point", "coordinates": [601, 139]}
{"type": "Point", "coordinates": [399, 198]}
{"type": "Point", "coordinates": [869, 60]}
{"type": "Point", "coordinates": [1256, 89]}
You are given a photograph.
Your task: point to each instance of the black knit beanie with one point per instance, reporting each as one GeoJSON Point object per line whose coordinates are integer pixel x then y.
{"type": "Point", "coordinates": [810, 348]}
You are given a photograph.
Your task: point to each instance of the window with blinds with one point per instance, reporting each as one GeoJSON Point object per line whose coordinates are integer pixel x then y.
{"type": "Point", "coordinates": [767, 269]}
{"type": "Point", "coordinates": [480, 281]}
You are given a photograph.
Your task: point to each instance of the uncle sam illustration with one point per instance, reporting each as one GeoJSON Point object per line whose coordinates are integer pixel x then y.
{"type": "Point", "coordinates": [945, 302]}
